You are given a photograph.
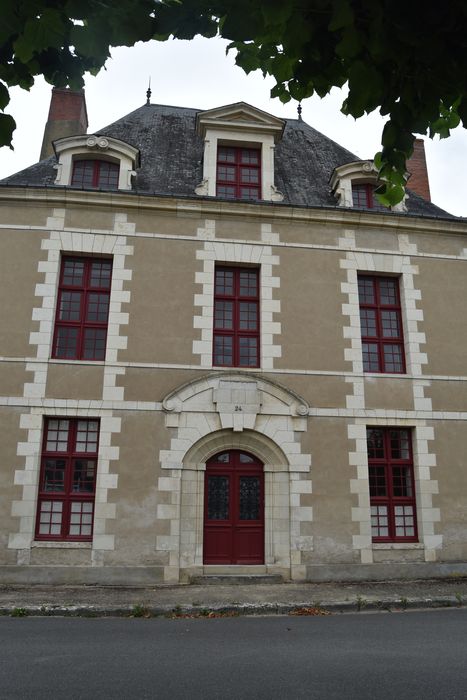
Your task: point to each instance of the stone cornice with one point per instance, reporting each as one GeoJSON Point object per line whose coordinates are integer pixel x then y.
{"type": "Point", "coordinates": [209, 208]}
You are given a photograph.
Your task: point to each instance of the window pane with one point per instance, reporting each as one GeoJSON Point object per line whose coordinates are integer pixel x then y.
{"type": "Point", "coordinates": [227, 191]}
{"type": "Point", "coordinates": [54, 475]}
{"type": "Point", "coordinates": [226, 173]}
{"type": "Point", "coordinates": [248, 352]}
{"type": "Point", "coordinates": [375, 443]}
{"type": "Point", "coordinates": [84, 471]}
{"type": "Point", "coordinates": [223, 350]}
{"type": "Point", "coordinates": [224, 282]}
{"type": "Point", "coordinates": [250, 496]}
{"type": "Point", "coordinates": [50, 518]}
{"type": "Point", "coordinates": [225, 154]}
{"type": "Point", "coordinates": [73, 273]}
{"type": "Point", "coordinates": [57, 435]}
{"type": "Point", "coordinates": [70, 306]}
{"type": "Point", "coordinates": [218, 498]}
{"type": "Point", "coordinates": [370, 357]}
{"type": "Point", "coordinates": [94, 343]}
{"type": "Point", "coordinates": [223, 315]}
{"type": "Point", "coordinates": [390, 325]}
{"type": "Point", "coordinates": [366, 291]}
{"type": "Point", "coordinates": [393, 358]}
{"type": "Point", "coordinates": [86, 436]}
{"type": "Point", "coordinates": [404, 521]}
{"type": "Point", "coordinates": [388, 291]}
{"type": "Point", "coordinates": [379, 521]}
{"type": "Point", "coordinates": [402, 481]}
{"type": "Point", "coordinates": [399, 444]}
{"type": "Point", "coordinates": [368, 323]}
{"type": "Point", "coordinates": [249, 155]}
{"type": "Point", "coordinates": [98, 307]}
{"type": "Point", "coordinates": [249, 193]}
{"type": "Point", "coordinates": [101, 274]}
{"type": "Point", "coordinates": [107, 175]}
{"type": "Point", "coordinates": [81, 518]}
{"type": "Point", "coordinates": [83, 173]}
{"type": "Point", "coordinates": [248, 283]}
{"type": "Point", "coordinates": [377, 477]}
{"type": "Point", "coordinates": [249, 175]}
{"type": "Point", "coordinates": [246, 459]}
{"type": "Point", "coordinates": [248, 316]}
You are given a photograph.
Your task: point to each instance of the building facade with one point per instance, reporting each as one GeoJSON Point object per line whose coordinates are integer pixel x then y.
{"type": "Point", "coordinates": [219, 355]}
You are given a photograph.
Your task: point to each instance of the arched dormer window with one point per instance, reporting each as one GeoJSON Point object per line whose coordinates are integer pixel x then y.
{"type": "Point", "coordinates": [95, 162]}
{"type": "Point", "coordinates": [95, 174]}
{"type": "Point", "coordinates": [354, 184]}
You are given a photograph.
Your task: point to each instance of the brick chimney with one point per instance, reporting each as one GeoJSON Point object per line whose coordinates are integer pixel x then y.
{"type": "Point", "coordinates": [416, 166]}
{"type": "Point", "coordinates": [67, 117]}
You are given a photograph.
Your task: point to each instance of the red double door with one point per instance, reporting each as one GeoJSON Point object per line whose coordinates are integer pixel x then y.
{"type": "Point", "coordinates": [234, 509]}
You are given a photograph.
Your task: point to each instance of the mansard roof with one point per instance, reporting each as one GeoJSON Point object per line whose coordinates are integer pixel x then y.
{"type": "Point", "coordinates": [171, 149]}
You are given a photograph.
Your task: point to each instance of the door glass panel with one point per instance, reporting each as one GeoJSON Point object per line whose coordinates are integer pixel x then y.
{"type": "Point", "coordinates": [249, 507]}
{"type": "Point", "coordinates": [246, 459]}
{"type": "Point", "coordinates": [218, 498]}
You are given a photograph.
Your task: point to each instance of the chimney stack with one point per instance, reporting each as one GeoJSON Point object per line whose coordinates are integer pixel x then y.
{"type": "Point", "coordinates": [418, 181]}
{"type": "Point", "coordinates": [67, 117]}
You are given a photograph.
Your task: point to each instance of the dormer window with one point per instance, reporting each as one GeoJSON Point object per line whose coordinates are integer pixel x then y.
{"type": "Point", "coordinates": [354, 184]}
{"type": "Point", "coordinates": [95, 162]}
{"type": "Point", "coordinates": [238, 160]}
{"type": "Point", "coordinates": [363, 197]}
{"type": "Point", "coordinates": [238, 173]}
{"type": "Point", "coordinates": [95, 174]}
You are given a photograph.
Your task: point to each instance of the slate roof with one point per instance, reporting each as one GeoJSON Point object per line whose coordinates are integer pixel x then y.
{"type": "Point", "coordinates": [171, 160]}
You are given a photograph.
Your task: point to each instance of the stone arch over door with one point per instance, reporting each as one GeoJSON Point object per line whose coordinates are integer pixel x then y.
{"type": "Point", "coordinates": [235, 411]}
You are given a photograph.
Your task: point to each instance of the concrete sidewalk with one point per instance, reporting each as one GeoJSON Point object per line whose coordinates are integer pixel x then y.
{"type": "Point", "coordinates": [229, 599]}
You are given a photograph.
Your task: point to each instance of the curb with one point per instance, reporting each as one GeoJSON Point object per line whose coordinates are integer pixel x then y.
{"type": "Point", "coordinates": [233, 610]}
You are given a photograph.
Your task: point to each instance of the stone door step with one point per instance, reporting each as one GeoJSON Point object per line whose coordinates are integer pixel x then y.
{"type": "Point", "coordinates": [235, 579]}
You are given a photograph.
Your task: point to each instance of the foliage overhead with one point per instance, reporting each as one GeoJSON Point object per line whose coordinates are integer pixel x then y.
{"type": "Point", "coordinates": [406, 58]}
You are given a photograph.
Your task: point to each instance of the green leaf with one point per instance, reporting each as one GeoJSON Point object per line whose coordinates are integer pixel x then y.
{"type": "Point", "coordinates": [47, 30]}
{"type": "Point", "coordinates": [342, 16]}
{"type": "Point", "coordinates": [4, 96]}
{"type": "Point", "coordinates": [7, 127]}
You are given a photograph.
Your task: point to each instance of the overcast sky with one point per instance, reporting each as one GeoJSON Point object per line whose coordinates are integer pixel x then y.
{"type": "Point", "coordinates": [198, 74]}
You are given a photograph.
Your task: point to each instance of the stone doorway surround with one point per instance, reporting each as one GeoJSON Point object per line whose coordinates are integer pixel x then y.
{"type": "Point", "coordinates": [234, 411]}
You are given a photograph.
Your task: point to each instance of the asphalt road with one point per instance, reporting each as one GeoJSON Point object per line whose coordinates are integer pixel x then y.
{"type": "Point", "coordinates": [416, 655]}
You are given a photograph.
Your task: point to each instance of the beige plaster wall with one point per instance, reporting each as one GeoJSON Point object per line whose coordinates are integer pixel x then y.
{"type": "Point", "coordinates": [74, 380]}
{"type": "Point", "coordinates": [240, 230]}
{"type": "Point", "coordinates": [318, 391]}
{"type": "Point", "coordinates": [85, 217]}
{"type": "Point", "coordinates": [310, 234]}
{"type": "Point", "coordinates": [332, 502]}
{"type": "Point", "coordinates": [389, 393]}
{"type": "Point", "coordinates": [10, 434]}
{"type": "Point", "coordinates": [24, 213]}
{"type": "Point", "coordinates": [451, 472]}
{"type": "Point", "coordinates": [311, 310]}
{"type": "Point", "coordinates": [161, 311]}
{"type": "Point", "coordinates": [448, 395]}
{"type": "Point", "coordinates": [136, 526]}
{"type": "Point", "coordinates": [171, 224]}
{"type": "Point", "coordinates": [149, 384]}
{"type": "Point", "coordinates": [443, 284]}
{"type": "Point", "coordinates": [19, 255]}
{"type": "Point", "coordinates": [13, 375]}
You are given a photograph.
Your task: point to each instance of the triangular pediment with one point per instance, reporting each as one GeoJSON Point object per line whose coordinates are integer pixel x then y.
{"type": "Point", "coordinates": [239, 115]}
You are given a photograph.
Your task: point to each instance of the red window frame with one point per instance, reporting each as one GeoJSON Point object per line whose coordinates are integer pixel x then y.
{"type": "Point", "coordinates": [363, 197]}
{"type": "Point", "coordinates": [238, 172]}
{"type": "Point", "coordinates": [381, 324]}
{"type": "Point", "coordinates": [236, 336]}
{"type": "Point", "coordinates": [67, 483]}
{"type": "Point", "coordinates": [95, 174]}
{"type": "Point", "coordinates": [392, 485]}
{"type": "Point", "coordinates": [82, 313]}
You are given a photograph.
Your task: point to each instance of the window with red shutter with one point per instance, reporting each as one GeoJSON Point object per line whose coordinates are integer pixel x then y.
{"type": "Point", "coordinates": [82, 309]}
{"type": "Point", "coordinates": [236, 317]}
{"type": "Point", "coordinates": [381, 324]}
{"type": "Point", "coordinates": [238, 173]}
{"type": "Point", "coordinates": [67, 481]}
{"type": "Point", "coordinates": [392, 490]}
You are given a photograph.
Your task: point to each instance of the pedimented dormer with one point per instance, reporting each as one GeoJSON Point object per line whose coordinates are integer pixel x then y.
{"type": "Point", "coordinates": [353, 185]}
{"type": "Point", "coordinates": [239, 142]}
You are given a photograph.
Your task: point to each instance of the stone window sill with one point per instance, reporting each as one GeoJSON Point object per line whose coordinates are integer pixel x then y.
{"type": "Point", "coordinates": [61, 545]}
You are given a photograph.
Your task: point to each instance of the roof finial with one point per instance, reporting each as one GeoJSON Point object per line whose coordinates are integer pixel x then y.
{"type": "Point", "coordinates": [299, 110]}
{"type": "Point", "coordinates": [148, 93]}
